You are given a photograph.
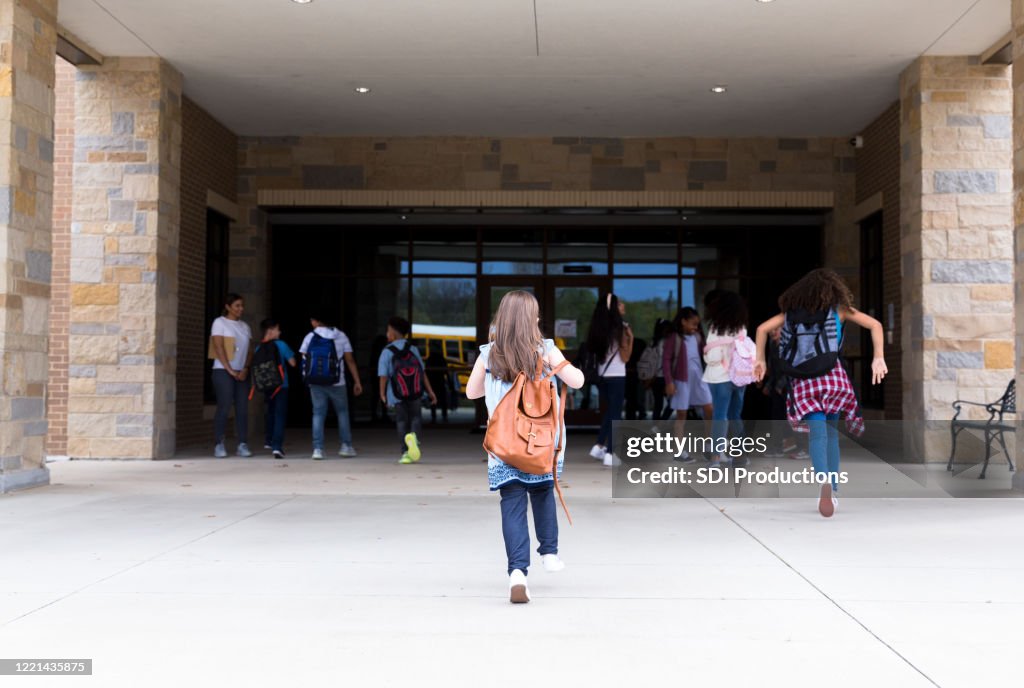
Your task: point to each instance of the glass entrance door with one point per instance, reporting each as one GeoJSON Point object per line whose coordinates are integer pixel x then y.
{"type": "Point", "coordinates": [570, 305]}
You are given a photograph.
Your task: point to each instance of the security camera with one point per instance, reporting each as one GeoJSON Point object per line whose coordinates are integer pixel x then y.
{"type": "Point", "coordinates": [857, 141]}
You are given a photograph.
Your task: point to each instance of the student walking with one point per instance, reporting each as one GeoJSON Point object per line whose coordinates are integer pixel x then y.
{"type": "Point", "coordinates": [610, 343]}
{"type": "Point", "coordinates": [231, 351]}
{"type": "Point", "coordinates": [515, 345]}
{"type": "Point", "coordinates": [270, 374]}
{"type": "Point", "coordinates": [683, 369]}
{"type": "Point", "coordinates": [817, 308]}
{"type": "Point", "coordinates": [727, 325]}
{"type": "Point", "coordinates": [322, 351]}
{"type": "Point", "coordinates": [402, 378]}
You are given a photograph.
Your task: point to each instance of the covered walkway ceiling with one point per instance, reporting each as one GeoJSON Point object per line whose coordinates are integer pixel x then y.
{"type": "Point", "coordinates": [540, 67]}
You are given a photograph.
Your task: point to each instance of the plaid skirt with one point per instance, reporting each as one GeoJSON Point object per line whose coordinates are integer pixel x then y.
{"type": "Point", "coordinates": [831, 394]}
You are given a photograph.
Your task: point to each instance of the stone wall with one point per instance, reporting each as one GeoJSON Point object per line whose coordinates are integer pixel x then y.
{"type": "Point", "coordinates": [209, 162]}
{"type": "Point", "coordinates": [1018, 214]}
{"type": "Point", "coordinates": [957, 238]}
{"type": "Point", "coordinates": [124, 255]}
{"type": "Point", "coordinates": [28, 41]}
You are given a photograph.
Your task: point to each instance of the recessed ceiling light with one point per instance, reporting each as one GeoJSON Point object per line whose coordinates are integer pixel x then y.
{"type": "Point", "coordinates": [765, 2]}
{"type": "Point", "coordinates": [719, 89]}
{"type": "Point", "coordinates": [362, 89]}
{"type": "Point", "coordinates": [306, 2]}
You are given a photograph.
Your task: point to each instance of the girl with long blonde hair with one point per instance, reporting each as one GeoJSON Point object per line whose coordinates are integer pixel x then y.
{"type": "Point", "coordinates": [515, 343]}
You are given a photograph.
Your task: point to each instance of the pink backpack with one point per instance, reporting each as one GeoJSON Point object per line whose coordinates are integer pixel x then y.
{"type": "Point", "coordinates": [742, 354]}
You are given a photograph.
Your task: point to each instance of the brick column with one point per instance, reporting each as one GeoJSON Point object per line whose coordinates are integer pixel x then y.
{"type": "Point", "coordinates": [124, 256]}
{"type": "Point", "coordinates": [956, 241]}
{"type": "Point", "coordinates": [1018, 206]}
{"type": "Point", "coordinates": [28, 43]}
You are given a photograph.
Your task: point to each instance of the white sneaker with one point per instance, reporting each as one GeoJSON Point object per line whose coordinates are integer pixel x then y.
{"type": "Point", "coordinates": [219, 452]}
{"type": "Point", "coordinates": [552, 563]}
{"type": "Point", "coordinates": [318, 454]}
{"type": "Point", "coordinates": [598, 452]}
{"type": "Point", "coordinates": [243, 450]}
{"type": "Point", "coordinates": [347, 451]}
{"type": "Point", "coordinates": [835, 504]}
{"type": "Point", "coordinates": [610, 460]}
{"type": "Point", "coordinates": [267, 446]}
{"type": "Point", "coordinates": [518, 593]}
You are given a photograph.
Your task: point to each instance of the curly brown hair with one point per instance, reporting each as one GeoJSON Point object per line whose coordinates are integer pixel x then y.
{"type": "Point", "coordinates": [818, 290]}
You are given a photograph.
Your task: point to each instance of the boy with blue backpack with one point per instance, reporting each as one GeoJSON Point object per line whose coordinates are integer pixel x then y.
{"type": "Point", "coordinates": [322, 351]}
{"type": "Point", "coordinates": [402, 383]}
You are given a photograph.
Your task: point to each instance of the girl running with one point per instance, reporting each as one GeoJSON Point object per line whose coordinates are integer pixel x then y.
{"type": "Point", "coordinates": [516, 342]}
{"type": "Point", "coordinates": [816, 403]}
{"type": "Point", "coordinates": [684, 370]}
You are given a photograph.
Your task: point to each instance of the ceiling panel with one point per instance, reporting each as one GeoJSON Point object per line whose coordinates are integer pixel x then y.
{"type": "Point", "coordinates": [606, 68]}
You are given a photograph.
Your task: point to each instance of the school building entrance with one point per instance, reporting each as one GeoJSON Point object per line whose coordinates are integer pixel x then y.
{"type": "Point", "coordinates": [446, 271]}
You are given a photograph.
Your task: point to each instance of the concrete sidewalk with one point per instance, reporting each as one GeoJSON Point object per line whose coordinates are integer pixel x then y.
{"type": "Point", "coordinates": [263, 573]}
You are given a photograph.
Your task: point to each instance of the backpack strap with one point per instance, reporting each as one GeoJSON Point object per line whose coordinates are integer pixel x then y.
{"type": "Point", "coordinates": [558, 449]}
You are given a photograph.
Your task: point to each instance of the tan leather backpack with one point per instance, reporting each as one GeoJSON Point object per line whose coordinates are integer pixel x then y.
{"type": "Point", "coordinates": [525, 431]}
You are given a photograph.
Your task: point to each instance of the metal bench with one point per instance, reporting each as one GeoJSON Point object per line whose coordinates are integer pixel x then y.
{"type": "Point", "coordinates": [993, 428]}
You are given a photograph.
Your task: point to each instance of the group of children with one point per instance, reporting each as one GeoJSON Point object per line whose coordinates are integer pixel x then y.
{"type": "Point", "coordinates": [242, 368]}
{"type": "Point", "coordinates": [814, 312]}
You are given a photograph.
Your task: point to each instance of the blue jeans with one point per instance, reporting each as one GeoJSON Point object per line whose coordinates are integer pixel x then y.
{"type": "Point", "coordinates": [338, 396]}
{"type": "Point", "coordinates": [824, 443]}
{"type": "Point", "coordinates": [613, 394]}
{"type": "Point", "coordinates": [727, 405]}
{"type": "Point", "coordinates": [275, 415]}
{"type": "Point", "coordinates": [516, 530]}
{"type": "Point", "coordinates": [230, 392]}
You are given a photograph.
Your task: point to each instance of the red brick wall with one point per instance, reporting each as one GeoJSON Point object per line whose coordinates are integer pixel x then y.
{"type": "Point", "coordinates": [60, 276]}
{"type": "Point", "coordinates": [209, 161]}
{"type": "Point", "coordinates": [878, 169]}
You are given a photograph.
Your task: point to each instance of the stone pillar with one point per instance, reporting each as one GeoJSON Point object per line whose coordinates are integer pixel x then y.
{"type": "Point", "coordinates": [124, 256]}
{"type": "Point", "coordinates": [28, 45]}
{"type": "Point", "coordinates": [1018, 207]}
{"type": "Point", "coordinates": [956, 241]}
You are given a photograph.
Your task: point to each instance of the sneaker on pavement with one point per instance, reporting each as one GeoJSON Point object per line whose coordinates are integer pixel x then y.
{"type": "Point", "coordinates": [826, 502]}
{"type": "Point", "coordinates": [598, 452]}
{"type": "Point", "coordinates": [684, 458]}
{"type": "Point", "coordinates": [347, 451]}
{"type": "Point", "coordinates": [552, 563]}
{"type": "Point", "coordinates": [267, 446]}
{"type": "Point", "coordinates": [610, 460]}
{"type": "Point", "coordinates": [243, 450]}
{"type": "Point", "coordinates": [518, 593]}
{"type": "Point", "coordinates": [405, 459]}
{"type": "Point", "coordinates": [278, 454]}
{"type": "Point", "coordinates": [414, 447]}
{"type": "Point", "coordinates": [318, 454]}
{"type": "Point", "coordinates": [219, 452]}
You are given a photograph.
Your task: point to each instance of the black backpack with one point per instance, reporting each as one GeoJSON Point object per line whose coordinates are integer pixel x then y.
{"type": "Point", "coordinates": [590, 365]}
{"type": "Point", "coordinates": [406, 373]}
{"type": "Point", "coordinates": [320, 365]}
{"type": "Point", "coordinates": [809, 343]}
{"type": "Point", "coordinates": [267, 369]}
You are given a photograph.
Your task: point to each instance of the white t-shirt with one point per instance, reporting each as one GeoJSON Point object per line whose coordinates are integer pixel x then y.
{"type": "Point", "coordinates": [242, 334]}
{"type": "Point", "coordinates": [717, 358]}
{"type": "Point", "coordinates": [341, 344]}
{"type": "Point", "coordinates": [616, 367]}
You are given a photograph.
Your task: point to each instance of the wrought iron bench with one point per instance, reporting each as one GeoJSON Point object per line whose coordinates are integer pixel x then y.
{"type": "Point", "coordinates": [993, 428]}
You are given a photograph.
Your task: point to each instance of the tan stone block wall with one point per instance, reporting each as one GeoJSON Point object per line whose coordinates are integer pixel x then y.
{"type": "Point", "coordinates": [27, 51]}
{"type": "Point", "coordinates": [1018, 207]}
{"type": "Point", "coordinates": [956, 236]}
{"type": "Point", "coordinates": [124, 260]}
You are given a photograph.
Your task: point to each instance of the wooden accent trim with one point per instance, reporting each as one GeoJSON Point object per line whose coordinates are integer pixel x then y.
{"type": "Point", "coordinates": [328, 198]}
{"type": "Point", "coordinates": [225, 207]}
{"type": "Point", "coordinates": [80, 52]}
{"type": "Point", "coordinates": [992, 54]}
{"type": "Point", "coordinates": [869, 206]}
